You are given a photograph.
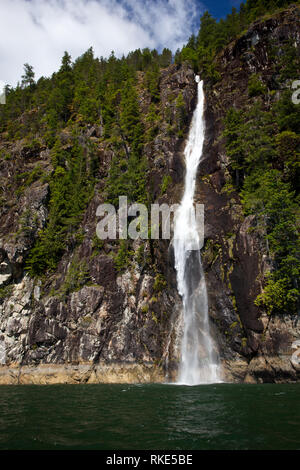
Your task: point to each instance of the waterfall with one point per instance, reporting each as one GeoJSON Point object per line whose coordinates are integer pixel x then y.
{"type": "Point", "coordinates": [199, 358]}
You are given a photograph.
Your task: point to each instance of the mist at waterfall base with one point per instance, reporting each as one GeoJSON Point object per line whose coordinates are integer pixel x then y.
{"type": "Point", "coordinates": [135, 417]}
{"type": "Point", "coordinates": [199, 357]}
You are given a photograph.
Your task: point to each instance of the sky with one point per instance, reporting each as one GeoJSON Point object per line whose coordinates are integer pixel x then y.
{"type": "Point", "coordinates": [39, 31]}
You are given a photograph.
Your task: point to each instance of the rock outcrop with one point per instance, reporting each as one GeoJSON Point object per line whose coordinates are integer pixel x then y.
{"type": "Point", "coordinates": [253, 346]}
{"type": "Point", "coordinates": [125, 326]}
{"type": "Point", "coordinates": [119, 326]}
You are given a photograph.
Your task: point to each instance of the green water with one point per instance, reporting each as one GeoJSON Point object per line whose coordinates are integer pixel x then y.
{"type": "Point", "coordinates": [136, 417]}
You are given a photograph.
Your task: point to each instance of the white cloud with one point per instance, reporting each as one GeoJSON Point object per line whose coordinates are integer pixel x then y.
{"type": "Point", "coordinates": [39, 31]}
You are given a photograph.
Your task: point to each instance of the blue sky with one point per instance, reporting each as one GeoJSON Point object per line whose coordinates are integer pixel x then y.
{"type": "Point", "coordinates": [39, 31]}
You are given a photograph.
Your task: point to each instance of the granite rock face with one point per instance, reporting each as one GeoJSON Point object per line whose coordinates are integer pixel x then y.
{"type": "Point", "coordinates": [125, 326]}
{"type": "Point", "coordinates": [120, 325]}
{"type": "Point", "coordinates": [253, 348]}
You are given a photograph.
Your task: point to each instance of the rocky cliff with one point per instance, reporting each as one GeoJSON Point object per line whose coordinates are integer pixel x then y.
{"type": "Point", "coordinates": [88, 321]}
{"type": "Point", "coordinates": [255, 346]}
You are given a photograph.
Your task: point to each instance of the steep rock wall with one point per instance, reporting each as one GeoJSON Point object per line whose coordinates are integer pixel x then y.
{"type": "Point", "coordinates": [125, 326]}
{"type": "Point", "coordinates": [124, 320]}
